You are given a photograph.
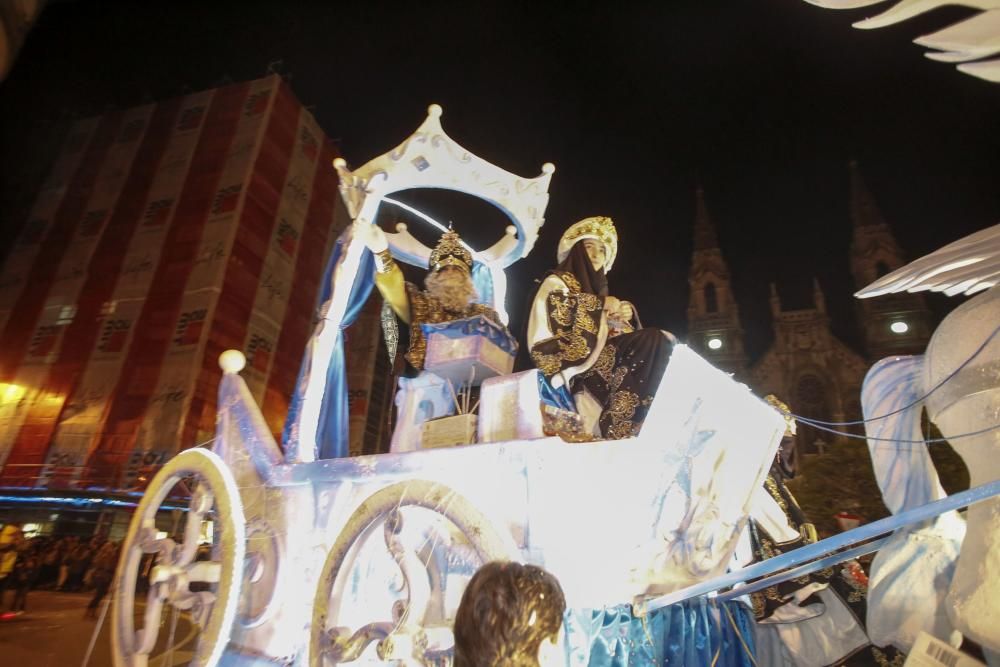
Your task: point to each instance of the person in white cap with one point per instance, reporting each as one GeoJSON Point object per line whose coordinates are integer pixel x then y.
{"type": "Point", "coordinates": [588, 343]}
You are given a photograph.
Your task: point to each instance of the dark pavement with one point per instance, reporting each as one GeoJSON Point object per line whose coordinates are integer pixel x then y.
{"type": "Point", "coordinates": [54, 633]}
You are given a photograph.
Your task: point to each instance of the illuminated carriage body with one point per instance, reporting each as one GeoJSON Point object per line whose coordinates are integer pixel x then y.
{"type": "Point", "coordinates": [364, 559]}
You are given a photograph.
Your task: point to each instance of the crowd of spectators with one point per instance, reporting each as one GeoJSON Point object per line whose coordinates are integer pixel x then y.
{"type": "Point", "coordinates": [68, 563]}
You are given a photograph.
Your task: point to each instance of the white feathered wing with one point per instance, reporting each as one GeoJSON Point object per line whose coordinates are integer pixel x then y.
{"type": "Point", "coordinates": [967, 266]}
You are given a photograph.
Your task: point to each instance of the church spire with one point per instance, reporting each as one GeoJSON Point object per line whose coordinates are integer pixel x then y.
{"type": "Point", "coordinates": [864, 211]}
{"type": "Point", "coordinates": [775, 301]}
{"type": "Point", "coordinates": [896, 324]}
{"type": "Point", "coordinates": [713, 317]}
{"type": "Point", "coordinates": [705, 237]}
{"type": "Point", "coordinates": [874, 251]}
{"type": "Point", "coordinates": [819, 300]}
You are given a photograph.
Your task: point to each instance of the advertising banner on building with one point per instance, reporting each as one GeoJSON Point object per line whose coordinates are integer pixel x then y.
{"type": "Point", "coordinates": [271, 299]}
{"type": "Point", "coordinates": [176, 388]}
{"type": "Point", "coordinates": [73, 268]}
{"type": "Point", "coordinates": [15, 270]}
{"type": "Point", "coordinates": [81, 419]}
{"type": "Point", "coordinates": [81, 422]}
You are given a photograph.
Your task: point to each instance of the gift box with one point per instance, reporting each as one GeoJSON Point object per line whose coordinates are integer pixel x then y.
{"type": "Point", "coordinates": [523, 406]}
{"type": "Point", "coordinates": [472, 347]}
{"type": "Point", "coordinates": [449, 431]}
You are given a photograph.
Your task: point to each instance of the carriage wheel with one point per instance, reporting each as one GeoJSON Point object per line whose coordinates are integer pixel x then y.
{"type": "Point", "coordinates": [263, 554]}
{"type": "Point", "coordinates": [329, 646]}
{"type": "Point", "coordinates": [213, 495]}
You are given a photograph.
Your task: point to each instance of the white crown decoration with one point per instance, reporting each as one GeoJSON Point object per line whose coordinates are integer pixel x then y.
{"type": "Point", "coordinates": [429, 158]}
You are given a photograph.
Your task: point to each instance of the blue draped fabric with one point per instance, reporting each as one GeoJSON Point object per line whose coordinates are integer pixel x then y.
{"type": "Point", "coordinates": [483, 281]}
{"type": "Point", "coordinates": [694, 633]}
{"type": "Point", "coordinates": [557, 398]}
{"type": "Point", "coordinates": [332, 436]}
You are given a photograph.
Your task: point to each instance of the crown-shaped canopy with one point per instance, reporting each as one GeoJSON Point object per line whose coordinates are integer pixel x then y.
{"type": "Point", "coordinates": [429, 158]}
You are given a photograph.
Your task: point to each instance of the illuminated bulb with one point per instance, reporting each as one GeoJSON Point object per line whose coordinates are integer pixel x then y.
{"type": "Point", "coordinates": [232, 361]}
{"type": "Point", "coordinates": [11, 392]}
{"type": "Point", "coordinates": [899, 327]}
{"type": "Point", "coordinates": [714, 343]}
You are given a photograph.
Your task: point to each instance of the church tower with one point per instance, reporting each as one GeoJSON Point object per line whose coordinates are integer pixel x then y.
{"type": "Point", "coordinates": [809, 368]}
{"type": "Point", "coordinates": [894, 323]}
{"type": "Point", "coordinates": [714, 328]}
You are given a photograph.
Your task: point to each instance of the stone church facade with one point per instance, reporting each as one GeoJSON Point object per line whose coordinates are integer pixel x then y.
{"type": "Point", "coordinates": [806, 365]}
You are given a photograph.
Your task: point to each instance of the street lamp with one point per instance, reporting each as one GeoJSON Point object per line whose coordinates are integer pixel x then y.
{"type": "Point", "coordinates": [11, 393]}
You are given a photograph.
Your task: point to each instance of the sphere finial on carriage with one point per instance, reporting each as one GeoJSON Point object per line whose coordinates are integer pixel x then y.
{"type": "Point", "coordinates": [232, 361]}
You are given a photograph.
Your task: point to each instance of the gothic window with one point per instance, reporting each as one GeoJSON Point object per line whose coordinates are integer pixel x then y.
{"type": "Point", "coordinates": [810, 390]}
{"type": "Point", "coordinates": [711, 300]}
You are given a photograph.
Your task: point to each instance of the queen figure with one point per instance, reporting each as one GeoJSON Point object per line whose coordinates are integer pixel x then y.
{"type": "Point", "coordinates": [588, 343]}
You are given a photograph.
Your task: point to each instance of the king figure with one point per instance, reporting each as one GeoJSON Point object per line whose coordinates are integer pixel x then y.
{"type": "Point", "coordinates": [449, 295]}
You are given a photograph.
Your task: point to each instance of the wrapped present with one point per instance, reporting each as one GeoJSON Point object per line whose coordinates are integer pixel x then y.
{"type": "Point", "coordinates": [523, 406]}
{"type": "Point", "coordinates": [449, 431]}
{"type": "Point", "coordinates": [471, 347]}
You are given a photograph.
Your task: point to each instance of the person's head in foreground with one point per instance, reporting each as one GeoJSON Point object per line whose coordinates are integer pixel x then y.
{"type": "Point", "coordinates": [510, 616]}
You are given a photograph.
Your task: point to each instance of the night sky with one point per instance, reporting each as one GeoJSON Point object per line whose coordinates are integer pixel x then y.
{"type": "Point", "coordinates": [762, 102]}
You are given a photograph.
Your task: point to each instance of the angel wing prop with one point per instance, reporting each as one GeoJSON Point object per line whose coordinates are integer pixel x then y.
{"type": "Point", "coordinates": [967, 266]}
{"type": "Point", "coordinates": [969, 40]}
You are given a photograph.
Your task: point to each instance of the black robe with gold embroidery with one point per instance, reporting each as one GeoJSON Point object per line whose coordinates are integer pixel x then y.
{"type": "Point", "coordinates": [627, 371]}
{"type": "Point", "coordinates": [847, 580]}
{"type": "Point", "coordinates": [625, 379]}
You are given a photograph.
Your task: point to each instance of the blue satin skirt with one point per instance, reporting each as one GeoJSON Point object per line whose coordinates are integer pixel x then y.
{"type": "Point", "coordinates": [695, 633]}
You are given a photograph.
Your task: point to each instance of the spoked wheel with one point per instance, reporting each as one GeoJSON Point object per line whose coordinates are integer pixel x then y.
{"type": "Point", "coordinates": [212, 605]}
{"type": "Point", "coordinates": [260, 582]}
{"type": "Point", "coordinates": [408, 632]}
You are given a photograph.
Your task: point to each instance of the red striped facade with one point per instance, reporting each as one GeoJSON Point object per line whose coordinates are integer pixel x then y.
{"type": "Point", "coordinates": [164, 235]}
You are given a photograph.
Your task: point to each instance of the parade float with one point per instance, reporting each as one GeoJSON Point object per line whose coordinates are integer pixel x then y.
{"type": "Point", "coordinates": [319, 560]}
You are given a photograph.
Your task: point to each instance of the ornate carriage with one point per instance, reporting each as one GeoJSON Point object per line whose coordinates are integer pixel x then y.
{"type": "Point", "coordinates": [324, 561]}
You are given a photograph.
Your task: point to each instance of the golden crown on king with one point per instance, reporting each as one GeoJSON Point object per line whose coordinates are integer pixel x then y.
{"type": "Point", "coordinates": [450, 252]}
{"type": "Point", "coordinates": [600, 228]}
